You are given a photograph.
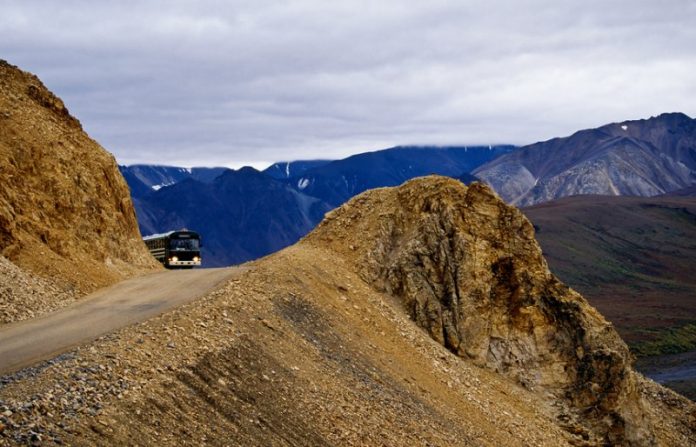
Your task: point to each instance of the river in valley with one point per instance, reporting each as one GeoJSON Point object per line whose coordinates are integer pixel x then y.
{"type": "Point", "coordinates": [676, 371]}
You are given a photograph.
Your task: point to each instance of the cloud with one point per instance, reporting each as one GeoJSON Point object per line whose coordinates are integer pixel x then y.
{"type": "Point", "coordinates": [218, 82]}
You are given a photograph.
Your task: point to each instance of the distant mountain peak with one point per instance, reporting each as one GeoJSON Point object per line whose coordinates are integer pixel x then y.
{"type": "Point", "coordinates": [675, 116]}
{"type": "Point", "coordinates": [247, 170]}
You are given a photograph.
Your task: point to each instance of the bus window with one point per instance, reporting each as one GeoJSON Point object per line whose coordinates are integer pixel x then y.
{"type": "Point", "coordinates": [183, 244]}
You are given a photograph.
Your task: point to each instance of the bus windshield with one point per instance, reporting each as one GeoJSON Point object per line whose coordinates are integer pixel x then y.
{"type": "Point", "coordinates": [184, 244]}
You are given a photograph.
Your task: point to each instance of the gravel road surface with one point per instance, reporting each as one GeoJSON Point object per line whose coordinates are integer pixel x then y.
{"type": "Point", "coordinates": [27, 342]}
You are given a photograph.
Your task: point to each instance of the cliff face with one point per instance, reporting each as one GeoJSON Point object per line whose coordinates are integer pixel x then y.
{"type": "Point", "coordinates": [468, 270]}
{"type": "Point", "coordinates": [65, 210]}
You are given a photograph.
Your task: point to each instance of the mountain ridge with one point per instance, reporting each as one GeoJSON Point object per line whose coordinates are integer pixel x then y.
{"type": "Point", "coordinates": [322, 185]}
{"type": "Point", "coordinates": [640, 157]}
{"type": "Point", "coordinates": [339, 180]}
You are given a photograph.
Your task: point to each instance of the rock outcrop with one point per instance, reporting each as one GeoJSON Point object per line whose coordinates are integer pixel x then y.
{"type": "Point", "coordinates": [469, 271]}
{"type": "Point", "coordinates": [65, 210]}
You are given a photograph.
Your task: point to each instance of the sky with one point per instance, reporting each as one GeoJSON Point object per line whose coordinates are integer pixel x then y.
{"type": "Point", "coordinates": [233, 83]}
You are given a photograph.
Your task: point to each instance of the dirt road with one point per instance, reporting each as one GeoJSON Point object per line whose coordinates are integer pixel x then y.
{"type": "Point", "coordinates": [128, 302]}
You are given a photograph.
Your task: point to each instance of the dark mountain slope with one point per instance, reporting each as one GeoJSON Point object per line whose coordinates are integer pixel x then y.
{"type": "Point", "coordinates": [340, 180]}
{"type": "Point", "coordinates": [241, 215]}
{"type": "Point", "coordinates": [137, 187]}
{"type": "Point", "coordinates": [684, 192]}
{"type": "Point", "coordinates": [639, 158]}
{"type": "Point", "coordinates": [288, 169]}
{"type": "Point", "coordinates": [155, 177]}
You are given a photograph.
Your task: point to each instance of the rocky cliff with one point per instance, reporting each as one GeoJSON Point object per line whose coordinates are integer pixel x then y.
{"type": "Point", "coordinates": [65, 211]}
{"type": "Point", "coordinates": [637, 158]}
{"type": "Point", "coordinates": [468, 270]}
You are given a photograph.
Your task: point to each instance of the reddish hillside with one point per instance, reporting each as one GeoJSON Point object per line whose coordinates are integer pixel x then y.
{"type": "Point", "coordinates": [633, 258]}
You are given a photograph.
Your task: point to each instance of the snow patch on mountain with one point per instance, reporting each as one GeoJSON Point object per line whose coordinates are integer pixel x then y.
{"type": "Point", "coordinates": [162, 185]}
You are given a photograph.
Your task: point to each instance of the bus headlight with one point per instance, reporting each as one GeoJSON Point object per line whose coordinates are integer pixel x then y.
{"type": "Point", "coordinates": [174, 259]}
{"type": "Point", "coordinates": [196, 259]}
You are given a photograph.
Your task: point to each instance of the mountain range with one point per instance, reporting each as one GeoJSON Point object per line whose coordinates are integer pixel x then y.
{"type": "Point", "coordinates": [634, 158]}
{"type": "Point", "coordinates": [338, 181]}
{"type": "Point", "coordinates": [146, 178]}
{"type": "Point", "coordinates": [656, 156]}
{"type": "Point", "coordinates": [245, 214]}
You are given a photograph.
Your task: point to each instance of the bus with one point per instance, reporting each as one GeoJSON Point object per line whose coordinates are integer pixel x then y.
{"type": "Point", "coordinates": [176, 249]}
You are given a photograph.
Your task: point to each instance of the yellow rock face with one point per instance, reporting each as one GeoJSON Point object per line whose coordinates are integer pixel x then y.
{"type": "Point", "coordinates": [65, 210]}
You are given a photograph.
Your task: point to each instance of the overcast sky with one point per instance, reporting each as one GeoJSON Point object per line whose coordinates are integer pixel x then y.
{"type": "Point", "coordinates": [252, 82]}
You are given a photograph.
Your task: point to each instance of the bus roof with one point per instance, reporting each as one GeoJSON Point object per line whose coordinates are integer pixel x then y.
{"type": "Point", "coordinates": [167, 234]}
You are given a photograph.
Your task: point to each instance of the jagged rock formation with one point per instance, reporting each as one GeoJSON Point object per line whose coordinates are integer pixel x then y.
{"type": "Point", "coordinates": [469, 271]}
{"type": "Point", "coordinates": [65, 211]}
{"type": "Point", "coordinates": [636, 158]}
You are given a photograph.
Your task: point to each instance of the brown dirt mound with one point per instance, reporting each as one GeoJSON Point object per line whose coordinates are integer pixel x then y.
{"type": "Point", "coordinates": [65, 210]}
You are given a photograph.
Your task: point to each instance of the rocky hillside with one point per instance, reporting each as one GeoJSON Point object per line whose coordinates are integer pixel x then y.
{"type": "Point", "coordinates": [469, 271]}
{"type": "Point", "coordinates": [637, 158]}
{"type": "Point", "coordinates": [418, 315]}
{"type": "Point", "coordinates": [65, 211]}
{"type": "Point", "coordinates": [24, 295]}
